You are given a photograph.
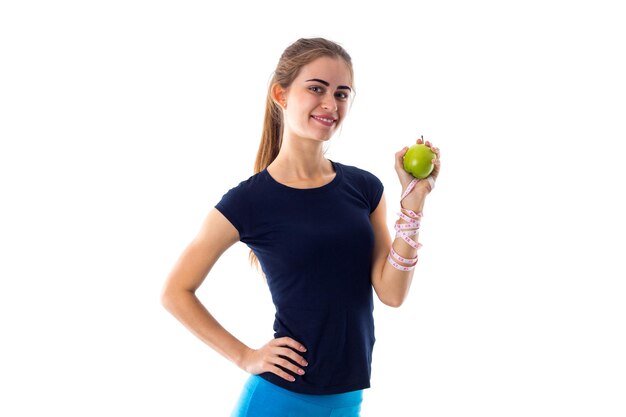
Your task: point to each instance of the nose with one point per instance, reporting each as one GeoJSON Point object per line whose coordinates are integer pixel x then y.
{"type": "Point", "coordinates": [329, 103]}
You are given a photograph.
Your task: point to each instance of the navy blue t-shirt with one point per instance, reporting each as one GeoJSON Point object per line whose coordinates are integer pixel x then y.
{"type": "Point", "coordinates": [315, 247]}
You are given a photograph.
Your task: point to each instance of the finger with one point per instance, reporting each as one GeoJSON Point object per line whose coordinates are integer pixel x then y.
{"type": "Point", "coordinates": [431, 182]}
{"type": "Point", "coordinates": [287, 341]}
{"type": "Point", "coordinates": [435, 172]}
{"type": "Point", "coordinates": [292, 355]}
{"type": "Point", "coordinates": [400, 157]}
{"type": "Point", "coordinates": [277, 371]}
{"type": "Point", "coordinates": [288, 365]}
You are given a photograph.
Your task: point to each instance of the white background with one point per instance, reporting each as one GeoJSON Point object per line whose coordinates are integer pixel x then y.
{"type": "Point", "coordinates": [122, 123]}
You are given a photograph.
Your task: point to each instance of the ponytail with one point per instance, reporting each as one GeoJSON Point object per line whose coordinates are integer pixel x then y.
{"type": "Point", "coordinates": [271, 139]}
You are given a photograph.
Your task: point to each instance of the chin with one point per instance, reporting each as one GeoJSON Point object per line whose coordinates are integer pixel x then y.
{"type": "Point", "coordinates": [324, 138]}
{"type": "Point", "coordinates": [317, 135]}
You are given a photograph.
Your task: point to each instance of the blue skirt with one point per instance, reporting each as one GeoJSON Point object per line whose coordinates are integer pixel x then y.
{"type": "Point", "coordinates": [261, 398]}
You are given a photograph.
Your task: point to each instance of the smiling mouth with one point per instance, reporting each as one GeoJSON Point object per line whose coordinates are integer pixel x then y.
{"type": "Point", "coordinates": [324, 120]}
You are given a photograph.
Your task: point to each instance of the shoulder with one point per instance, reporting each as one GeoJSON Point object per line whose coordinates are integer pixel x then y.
{"type": "Point", "coordinates": [364, 183]}
{"type": "Point", "coordinates": [246, 185]}
{"type": "Point", "coordinates": [243, 190]}
{"type": "Point", "coordinates": [359, 175]}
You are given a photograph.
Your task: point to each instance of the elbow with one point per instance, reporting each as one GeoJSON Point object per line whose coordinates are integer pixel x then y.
{"type": "Point", "coordinates": [395, 303]}
{"type": "Point", "coordinates": [168, 299]}
{"type": "Point", "coordinates": [171, 299]}
{"type": "Point", "coordinates": [388, 298]}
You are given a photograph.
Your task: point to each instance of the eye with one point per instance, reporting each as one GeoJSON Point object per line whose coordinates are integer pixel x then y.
{"type": "Point", "coordinates": [316, 89]}
{"type": "Point", "coordinates": [341, 95]}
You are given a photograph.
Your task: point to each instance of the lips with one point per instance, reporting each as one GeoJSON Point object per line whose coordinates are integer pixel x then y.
{"type": "Point", "coordinates": [325, 120]}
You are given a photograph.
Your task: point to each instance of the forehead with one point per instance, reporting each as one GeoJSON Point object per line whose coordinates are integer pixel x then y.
{"type": "Point", "coordinates": [333, 70]}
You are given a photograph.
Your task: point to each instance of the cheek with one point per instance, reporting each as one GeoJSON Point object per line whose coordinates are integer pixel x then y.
{"type": "Point", "coordinates": [343, 111]}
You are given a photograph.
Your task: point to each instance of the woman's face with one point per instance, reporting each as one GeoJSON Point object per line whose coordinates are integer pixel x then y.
{"type": "Point", "coordinates": [318, 99]}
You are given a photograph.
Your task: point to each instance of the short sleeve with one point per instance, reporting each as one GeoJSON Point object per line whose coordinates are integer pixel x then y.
{"type": "Point", "coordinates": [375, 190]}
{"type": "Point", "coordinates": [234, 207]}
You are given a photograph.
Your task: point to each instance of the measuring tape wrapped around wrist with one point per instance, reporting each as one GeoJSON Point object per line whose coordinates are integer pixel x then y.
{"type": "Point", "coordinates": [408, 229]}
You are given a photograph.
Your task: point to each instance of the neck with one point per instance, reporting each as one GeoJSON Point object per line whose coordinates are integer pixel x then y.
{"type": "Point", "coordinates": [302, 159]}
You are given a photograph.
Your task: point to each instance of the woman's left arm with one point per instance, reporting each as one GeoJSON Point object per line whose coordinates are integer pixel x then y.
{"type": "Point", "coordinates": [390, 283]}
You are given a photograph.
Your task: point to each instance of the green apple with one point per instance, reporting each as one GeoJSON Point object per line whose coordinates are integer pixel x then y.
{"type": "Point", "coordinates": [418, 161]}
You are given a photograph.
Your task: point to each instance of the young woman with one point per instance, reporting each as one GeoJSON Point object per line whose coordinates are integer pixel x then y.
{"type": "Point", "coordinates": [318, 229]}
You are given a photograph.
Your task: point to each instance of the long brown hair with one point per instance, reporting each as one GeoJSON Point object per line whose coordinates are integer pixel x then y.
{"type": "Point", "coordinates": [296, 56]}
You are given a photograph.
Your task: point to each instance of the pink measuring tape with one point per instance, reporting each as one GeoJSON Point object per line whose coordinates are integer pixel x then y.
{"type": "Point", "coordinates": [406, 230]}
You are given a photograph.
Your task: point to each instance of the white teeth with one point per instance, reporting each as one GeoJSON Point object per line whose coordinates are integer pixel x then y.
{"type": "Point", "coordinates": [324, 119]}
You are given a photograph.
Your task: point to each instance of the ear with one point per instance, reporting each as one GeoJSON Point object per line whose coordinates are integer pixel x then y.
{"type": "Point", "coordinates": [279, 95]}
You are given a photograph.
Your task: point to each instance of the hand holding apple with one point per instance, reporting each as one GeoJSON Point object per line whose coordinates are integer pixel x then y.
{"type": "Point", "coordinates": [419, 161]}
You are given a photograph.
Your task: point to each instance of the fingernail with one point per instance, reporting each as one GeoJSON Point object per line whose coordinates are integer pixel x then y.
{"type": "Point", "coordinates": [300, 371]}
{"type": "Point", "coordinates": [305, 363]}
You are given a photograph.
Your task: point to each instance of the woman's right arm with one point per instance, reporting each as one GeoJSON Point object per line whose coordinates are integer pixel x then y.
{"type": "Point", "coordinates": [178, 296]}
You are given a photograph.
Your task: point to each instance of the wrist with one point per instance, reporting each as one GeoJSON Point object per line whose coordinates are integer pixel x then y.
{"type": "Point", "coordinates": [414, 201]}
{"type": "Point", "coordinates": [240, 358]}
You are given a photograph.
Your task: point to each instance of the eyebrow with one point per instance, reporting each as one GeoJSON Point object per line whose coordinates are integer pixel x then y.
{"type": "Point", "coordinates": [341, 87]}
